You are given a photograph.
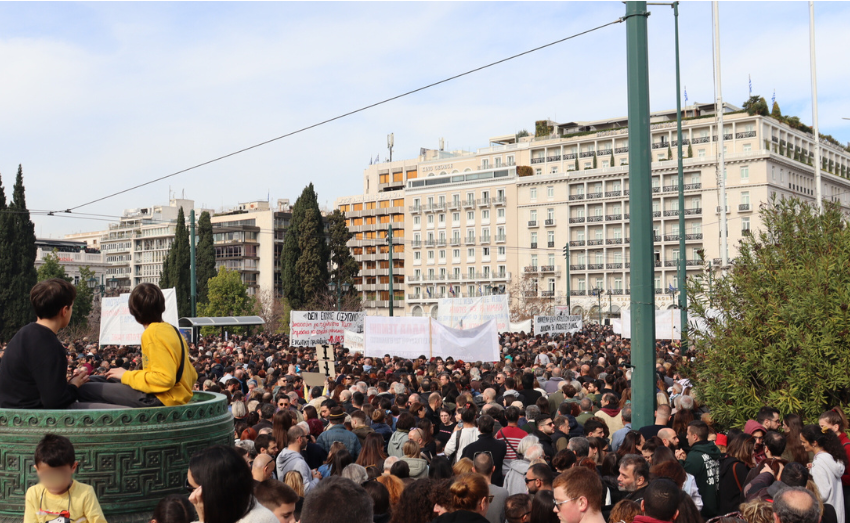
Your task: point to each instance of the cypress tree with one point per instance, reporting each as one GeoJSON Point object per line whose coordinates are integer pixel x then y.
{"type": "Point", "coordinates": [7, 329]}
{"type": "Point", "coordinates": [594, 159]}
{"type": "Point", "coordinates": [345, 267]}
{"type": "Point", "coordinates": [669, 153]}
{"type": "Point", "coordinates": [23, 258]}
{"type": "Point", "coordinates": [776, 113]}
{"type": "Point", "coordinates": [175, 267]}
{"type": "Point", "coordinates": [612, 157]}
{"type": "Point", "coordinates": [204, 257]}
{"type": "Point", "coordinates": [310, 265]}
{"type": "Point", "coordinates": [312, 237]}
{"type": "Point", "coordinates": [576, 162]}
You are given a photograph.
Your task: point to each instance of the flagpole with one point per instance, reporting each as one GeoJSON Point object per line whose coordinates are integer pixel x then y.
{"type": "Point", "coordinates": [812, 60]}
{"type": "Point", "coordinates": [718, 104]}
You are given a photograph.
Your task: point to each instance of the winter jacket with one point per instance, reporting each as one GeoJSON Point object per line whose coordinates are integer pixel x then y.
{"type": "Point", "coordinates": [418, 467]}
{"type": "Point", "coordinates": [553, 385]}
{"type": "Point", "coordinates": [826, 472]}
{"type": "Point", "coordinates": [456, 444]}
{"type": "Point", "coordinates": [612, 418]}
{"type": "Point", "coordinates": [546, 443]}
{"type": "Point", "coordinates": [559, 441]}
{"type": "Point", "coordinates": [339, 433]}
{"type": "Point", "coordinates": [397, 441]}
{"type": "Point", "coordinates": [497, 449]}
{"type": "Point", "coordinates": [703, 462]}
{"type": "Point", "coordinates": [384, 430]}
{"type": "Point", "coordinates": [362, 432]}
{"type": "Point", "coordinates": [733, 475]}
{"type": "Point", "coordinates": [515, 478]}
{"type": "Point", "coordinates": [460, 516]}
{"type": "Point", "coordinates": [289, 460]}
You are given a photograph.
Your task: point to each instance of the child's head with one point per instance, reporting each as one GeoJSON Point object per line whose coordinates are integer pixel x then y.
{"type": "Point", "coordinates": [53, 298]}
{"type": "Point", "coordinates": [279, 498]}
{"type": "Point", "coordinates": [55, 463]}
{"type": "Point", "coordinates": [147, 303]}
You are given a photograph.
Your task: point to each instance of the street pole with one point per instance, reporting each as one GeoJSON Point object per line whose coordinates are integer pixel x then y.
{"type": "Point", "coordinates": [721, 166]}
{"type": "Point", "coordinates": [192, 284]}
{"type": "Point", "coordinates": [710, 302]}
{"type": "Point", "coordinates": [812, 60]}
{"type": "Point", "coordinates": [642, 298]}
{"type": "Point", "coordinates": [569, 293]}
{"type": "Point", "coordinates": [390, 242]}
{"type": "Point", "coordinates": [683, 296]}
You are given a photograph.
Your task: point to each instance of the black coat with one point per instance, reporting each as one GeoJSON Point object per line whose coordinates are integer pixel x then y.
{"type": "Point", "coordinates": [461, 516]}
{"type": "Point", "coordinates": [547, 444]}
{"type": "Point", "coordinates": [497, 449]}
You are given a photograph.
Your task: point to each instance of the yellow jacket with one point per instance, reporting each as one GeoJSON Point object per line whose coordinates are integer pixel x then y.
{"type": "Point", "coordinates": [161, 349]}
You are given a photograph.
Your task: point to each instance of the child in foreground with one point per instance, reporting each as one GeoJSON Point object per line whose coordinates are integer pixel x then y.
{"type": "Point", "coordinates": [57, 497]}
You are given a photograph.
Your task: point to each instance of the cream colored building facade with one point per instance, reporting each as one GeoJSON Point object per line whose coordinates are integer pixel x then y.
{"type": "Point", "coordinates": [473, 226]}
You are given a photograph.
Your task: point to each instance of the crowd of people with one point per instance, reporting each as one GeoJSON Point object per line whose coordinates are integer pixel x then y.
{"type": "Point", "coordinates": [543, 435]}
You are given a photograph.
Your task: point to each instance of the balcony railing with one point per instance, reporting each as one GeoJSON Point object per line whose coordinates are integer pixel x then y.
{"type": "Point", "coordinates": [470, 240]}
{"type": "Point", "coordinates": [603, 152]}
{"type": "Point", "coordinates": [550, 244]}
{"type": "Point", "coordinates": [415, 208]}
{"type": "Point", "coordinates": [547, 294]}
{"type": "Point", "coordinates": [549, 222]}
{"type": "Point", "coordinates": [595, 242]}
{"type": "Point", "coordinates": [483, 240]}
{"type": "Point", "coordinates": [613, 217]}
{"type": "Point", "coordinates": [499, 200]}
{"type": "Point", "coordinates": [614, 266]}
{"type": "Point", "coordinates": [416, 244]}
{"type": "Point", "coordinates": [456, 242]}
{"type": "Point", "coordinates": [501, 238]}
{"type": "Point", "coordinates": [594, 195]}
{"type": "Point", "coordinates": [595, 266]}
{"type": "Point", "coordinates": [441, 242]}
{"type": "Point", "coordinates": [656, 189]}
{"type": "Point", "coordinates": [621, 150]}
{"type": "Point", "coordinates": [577, 219]}
{"type": "Point", "coordinates": [742, 207]}
{"type": "Point", "coordinates": [579, 267]}
{"type": "Point", "coordinates": [569, 156]}
{"type": "Point", "coordinates": [578, 293]}
{"type": "Point", "coordinates": [430, 243]}
{"type": "Point", "coordinates": [670, 188]}
{"type": "Point", "coordinates": [692, 186]}
{"type": "Point", "coordinates": [745, 134]}
{"type": "Point", "coordinates": [692, 211]}
{"type": "Point", "coordinates": [537, 160]}
{"type": "Point", "coordinates": [671, 212]}
{"type": "Point", "coordinates": [586, 154]}
{"type": "Point", "coordinates": [613, 194]}
{"type": "Point", "coordinates": [660, 145]}
{"type": "Point", "coordinates": [702, 139]}
{"type": "Point", "coordinates": [484, 202]}
{"type": "Point", "coordinates": [454, 205]}
{"type": "Point", "coordinates": [532, 223]}
{"type": "Point", "coordinates": [468, 204]}
{"type": "Point", "coordinates": [577, 243]}
{"type": "Point", "coordinates": [556, 158]}
{"type": "Point", "coordinates": [656, 214]}
{"type": "Point", "coordinates": [671, 237]}
{"type": "Point", "coordinates": [597, 218]}
{"type": "Point", "coordinates": [534, 245]}
{"type": "Point", "coordinates": [577, 197]}
{"type": "Point", "coordinates": [626, 216]}
{"type": "Point", "coordinates": [614, 241]}
{"type": "Point", "coordinates": [625, 192]}
{"type": "Point", "coordinates": [547, 268]}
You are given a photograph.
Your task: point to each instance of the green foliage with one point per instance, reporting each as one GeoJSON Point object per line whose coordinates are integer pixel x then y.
{"type": "Point", "coordinates": [690, 151]}
{"type": "Point", "coordinates": [17, 243]}
{"type": "Point", "coordinates": [756, 105]}
{"type": "Point", "coordinates": [594, 159]}
{"type": "Point", "coordinates": [227, 296]}
{"type": "Point", "coordinates": [6, 252]}
{"type": "Point", "coordinates": [783, 334]}
{"type": "Point", "coordinates": [175, 268]}
{"type": "Point", "coordinates": [345, 268]}
{"type": "Point", "coordinates": [521, 134]}
{"type": "Point", "coordinates": [51, 268]}
{"type": "Point", "coordinates": [669, 153]}
{"type": "Point", "coordinates": [304, 262]}
{"type": "Point", "coordinates": [85, 297]}
{"type": "Point", "coordinates": [204, 257]}
{"type": "Point", "coordinates": [524, 170]}
{"type": "Point", "coordinates": [612, 158]}
{"type": "Point", "coordinates": [775, 112]}
{"type": "Point", "coordinates": [576, 163]}
{"type": "Point", "coordinates": [541, 128]}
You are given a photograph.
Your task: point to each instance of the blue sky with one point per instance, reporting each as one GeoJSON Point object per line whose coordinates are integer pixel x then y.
{"type": "Point", "coordinates": [101, 96]}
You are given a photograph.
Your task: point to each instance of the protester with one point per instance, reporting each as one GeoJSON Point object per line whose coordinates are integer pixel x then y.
{"type": "Point", "coordinates": [470, 500]}
{"type": "Point", "coordinates": [323, 504]}
{"type": "Point", "coordinates": [279, 498]}
{"type": "Point", "coordinates": [174, 508]}
{"type": "Point", "coordinates": [828, 465]}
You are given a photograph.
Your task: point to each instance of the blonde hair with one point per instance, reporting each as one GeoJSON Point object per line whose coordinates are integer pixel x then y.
{"type": "Point", "coordinates": [757, 511]}
{"type": "Point", "coordinates": [295, 481]}
{"type": "Point", "coordinates": [411, 449]}
{"type": "Point", "coordinates": [812, 487]}
{"type": "Point", "coordinates": [463, 466]}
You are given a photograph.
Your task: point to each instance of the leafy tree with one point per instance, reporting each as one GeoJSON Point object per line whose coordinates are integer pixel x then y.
{"type": "Point", "coordinates": [756, 105]}
{"type": "Point", "coordinates": [204, 256]}
{"type": "Point", "coordinates": [776, 113]}
{"type": "Point", "coordinates": [17, 310]}
{"type": "Point", "coordinates": [175, 268]}
{"type": "Point", "coordinates": [303, 272]}
{"type": "Point", "coordinates": [85, 297]}
{"type": "Point", "coordinates": [782, 336]}
{"type": "Point", "coordinates": [51, 268]}
{"type": "Point", "coordinates": [227, 296]}
{"type": "Point", "coordinates": [344, 268]}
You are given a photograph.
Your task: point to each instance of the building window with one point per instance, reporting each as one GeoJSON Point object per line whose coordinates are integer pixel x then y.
{"type": "Point", "coordinates": [470, 216]}
{"type": "Point", "coordinates": [701, 153]}
{"type": "Point", "coordinates": [550, 192]}
{"type": "Point", "coordinates": [745, 174]}
{"type": "Point", "coordinates": [747, 147]}
{"type": "Point", "coordinates": [417, 255]}
{"type": "Point", "coordinates": [745, 224]}
{"type": "Point", "coordinates": [500, 213]}
{"type": "Point", "coordinates": [538, 171]}
{"type": "Point", "coordinates": [745, 198]}
{"type": "Point", "coordinates": [532, 193]}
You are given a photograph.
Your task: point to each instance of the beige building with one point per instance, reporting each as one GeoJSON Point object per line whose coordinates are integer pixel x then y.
{"type": "Point", "coordinates": [475, 226]}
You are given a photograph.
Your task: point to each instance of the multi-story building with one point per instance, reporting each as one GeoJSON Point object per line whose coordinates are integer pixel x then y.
{"type": "Point", "coordinates": [369, 217]}
{"type": "Point", "coordinates": [249, 239]}
{"type": "Point", "coordinates": [72, 256]}
{"type": "Point", "coordinates": [573, 190]}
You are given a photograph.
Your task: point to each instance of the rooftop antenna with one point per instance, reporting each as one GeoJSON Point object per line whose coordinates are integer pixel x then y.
{"type": "Point", "coordinates": [390, 144]}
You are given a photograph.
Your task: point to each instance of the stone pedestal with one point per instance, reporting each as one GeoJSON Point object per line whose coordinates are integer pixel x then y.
{"type": "Point", "coordinates": [132, 458]}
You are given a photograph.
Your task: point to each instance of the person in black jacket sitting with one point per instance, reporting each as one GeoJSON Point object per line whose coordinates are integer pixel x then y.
{"type": "Point", "coordinates": [34, 370]}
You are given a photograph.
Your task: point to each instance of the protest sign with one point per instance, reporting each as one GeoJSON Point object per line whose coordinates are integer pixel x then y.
{"type": "Point", "coordinates": [314, 379]}
{"type": "Point", "coordinates": [353, 341]}
{"type": "Point", "coordinates": [561, 310]}
{"type": "Point", "coordinates": [308, 328]}
{"type": "Point", "coordinates": [475, 344]}
{"type": "Point", "coordinates": [522, 326]}
{"type": "Point", "coordinates": [667, 324]}
{"type": "Point", "coordinates": [465, 313]}
{"type": "Point", "coordinates": [407, 337]}
{"type": "Point", "coordinates": [119, 327]}
{"type": "Point", "coordinates": [557, 324]}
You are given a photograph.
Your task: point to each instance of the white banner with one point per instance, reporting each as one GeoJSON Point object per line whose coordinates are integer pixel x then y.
{"type": "Point", "coordinates": [353, 341]}
{"type": "Point", "coordinates": [561, 310]}
{"type": "Point", "coordinates": [522, 326]}
{"type": "Point", "coordinates": [557, 324]}
{"type": "Point", "coordinates": [476, 344]}
{"type": "Point", "coordinates": [465, 313]}
{"type": "Point", "coordinates": [119, 327]}
{"type": "Point", "coordinates": [668, 324]}
{"type": "Point", "coordinates": [309, 328]}
{"type": "Point", "coordinates": [407, 337]}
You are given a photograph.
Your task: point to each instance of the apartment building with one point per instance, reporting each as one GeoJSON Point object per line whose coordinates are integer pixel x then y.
{"type": "Point", "coordinates": [369, 217]}
{"type": "Point", "coordinates": [477, 224]}
{"type": "Point", "coordinates": [72, 256]}
{"type": "Point", "coordinates": [249, 239]}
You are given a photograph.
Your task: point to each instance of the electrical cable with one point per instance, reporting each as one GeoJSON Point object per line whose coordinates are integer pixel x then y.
{"type": "Point", "coordinates": [355, 111]}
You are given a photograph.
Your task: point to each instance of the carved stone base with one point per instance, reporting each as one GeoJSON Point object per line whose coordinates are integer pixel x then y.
{"type": "Point", "coordinates": [132, 458]}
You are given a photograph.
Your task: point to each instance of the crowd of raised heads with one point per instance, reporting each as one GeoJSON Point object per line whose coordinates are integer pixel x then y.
{"type": "Point", "coordinates": [543, 435]}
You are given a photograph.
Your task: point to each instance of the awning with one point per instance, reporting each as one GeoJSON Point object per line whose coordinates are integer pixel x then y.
{"type": "Point", "coordinates": [225, 321]}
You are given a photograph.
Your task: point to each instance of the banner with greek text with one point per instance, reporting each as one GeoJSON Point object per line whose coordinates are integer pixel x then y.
{"type": "Point", "coordinates": [562, 324]}
{"type": "Point", "coordinates": [465, 313]}
{"type": "Point", "coordinates": [119, 327]}
{"type": "Point", "coordinates": [308, 328]}
{"type": "Point", "coordinates": [353, 341]}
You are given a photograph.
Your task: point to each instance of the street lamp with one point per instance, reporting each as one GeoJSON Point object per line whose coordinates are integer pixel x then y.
{"type": "Point", "coordinates": [610, 303]}
{"type": "Point", "coordinates": [93, 285]}
{"type": "Point", "coordinates": [340, 290]}
{"type": "Point", "coordinates": [599, 291]}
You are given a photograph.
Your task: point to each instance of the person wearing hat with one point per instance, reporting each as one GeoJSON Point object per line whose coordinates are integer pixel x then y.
{"type": "Point", "coordinates": [337, 432]}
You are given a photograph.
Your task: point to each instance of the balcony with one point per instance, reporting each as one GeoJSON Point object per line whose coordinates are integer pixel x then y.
{"type": "Point", "coordinates": [586, 154]}
{"type": "Point", "coordinates": [594, 195]}
{"type": "Point", "coordinates": [702, 139]}
{"type": "Point", "coordinates": [415, 209]}
{"type": "Point", "coordinates": [499, 200]}
{"type": "Point", "coordinates": [671, 237]}
{"type": "Point", "coordinates": [625, 192]}
{"type": "Point", "coordinates": [534, 245]}
{"type": "Point", "coordinates": [656, 238]}
{"type": "Point", "coordinates": [547, 294]}
{"type": "Point", "coordinates": [484, 202]}
{"type": "Point", "coordinates": [614, 241]}
{"type": "Point", "coordinates": [501, 238]}
{"type": "Point", "coordinates": [529, 268]}
{"type": "Point", "coordinates": [671, 212]}
{"type": "Point", "coordinates": [441, 242]}
{"type": "Point", "coordinates": [613, 217]}
{"type": "Point", "coordinates": [556, 158]}
{"type": "Point", "coordinates": [549, 268]}
{"type": "Point", "coordinates": [595, 266]}
{"type": "Point", "coordinates": [549, 222]}
{"type": "Point", "coordinates": [470, 240]}
{"type": "Point", "coordinates": [550, 245]}
{"type": "Point", "coordinates": [416, 244]}
{"type": "Point", "coordinates": [468, 204]}
{"type": "Point", "coordinates": [621, 150]}
{"type": "Point", "coordinates": [717, 209]}
{"type": "Point", "coordinates": [574, 197]}
{"type": "Point", "coordinates": [660, 145]}
{"type": "Point", "coordinates": [685, 141]}
{"type": "Point", "coordinates": [670, 188]}
{"type": "Point", "coordinates": [694, 263]}
{"type": "Point", "coordinates": [484, 240]}
{"type": "Point", "coordinates": [595, 242]}
{"type": "Point", "coordinates": [613, 194]}
{"type": "Point", "coordinates": [454, 205]}
{"type": "Point", "coordinates": [597, 218]}
{"type": "Point", "coordinates": [614, 265]}
{"type": "Point", "coordinates": [745, 134]}
{"type": "Point", "coordinates": [532, 223]}
{"type": "Point", "coordinates": [603, 152]}
{"type": "Point", "coordinates": [578, 293]}
{"type": "Point", "coordinates": [626, 216]}
{"type": "Point", "coordinates": [691, 212]}
{"type": "Point", "coordinates": [671, 263]}
{"type": "Point", "coordinates": [569, 156]}
{"type": "Point", "coordinates": [537, 160]}
{"type": "Point", "coordinates": [656, 214]}
{"type": "Point", "coordinates": [529, 294]}
{"type": "Point", "coordinates": [456, 241]}
{"type": "Point", "coordinates": [430, 243]}
{"type": "Point", "coordinates": [744, 207]}
{"type": "Point", "coordinates": [577, 243]}
{"type": "Point", "coordinates": [692, 186]}
{"type": "Point", "coordinates": [656, 189]}
{"type": "Point", "coordinates": [579, 267]}
{"type": "Point", "coordinates": [693, 236]}
{"type": "Point", "coordinates": [577, 219]}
